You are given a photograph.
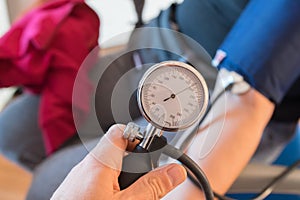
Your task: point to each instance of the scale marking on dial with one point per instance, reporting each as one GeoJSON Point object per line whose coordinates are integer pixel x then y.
{"type": "Point", "coordinates": [172, 95]}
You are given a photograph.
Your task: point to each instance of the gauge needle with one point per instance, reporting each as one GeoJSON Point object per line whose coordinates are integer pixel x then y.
{"type": "Point", "coordinates": [171, 97]}
{"type": "Point", "coordinates": [174, 95]}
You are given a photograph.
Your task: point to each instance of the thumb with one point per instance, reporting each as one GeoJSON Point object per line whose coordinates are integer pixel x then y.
{"type": "Point", "coordinates": [156, 184]}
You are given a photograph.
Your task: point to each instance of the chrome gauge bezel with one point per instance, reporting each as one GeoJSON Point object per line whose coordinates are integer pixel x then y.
{"type": "Point", "coordinates": [168, 64]}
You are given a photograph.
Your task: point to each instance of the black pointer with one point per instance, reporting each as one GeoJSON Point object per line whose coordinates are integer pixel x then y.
{"type": "Point", "coordinates": [171, 97]}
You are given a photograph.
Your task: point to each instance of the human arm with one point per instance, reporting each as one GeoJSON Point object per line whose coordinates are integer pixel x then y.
{"type": "Point", "coordinates": [233, 130]}
{"type": "Point", "coordinates": [262, 47]}
{"type": "Point", "coordinates": [96, 176]}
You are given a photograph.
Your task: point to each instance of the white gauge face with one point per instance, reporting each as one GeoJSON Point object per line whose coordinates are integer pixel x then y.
{"type": "Point", "coordinates": [173, 95]}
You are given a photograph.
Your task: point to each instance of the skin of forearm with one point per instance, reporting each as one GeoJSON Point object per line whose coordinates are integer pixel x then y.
{"type": "Point", "coordinates": [232, 130]}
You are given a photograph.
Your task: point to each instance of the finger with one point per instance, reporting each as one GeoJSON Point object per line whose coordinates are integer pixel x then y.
{"type": "Point", "coordinates": [155, 184]}
{"type": "Point", "coordinates": [110, 149]}
{"type": "Point", "coordinates": [97, 168]}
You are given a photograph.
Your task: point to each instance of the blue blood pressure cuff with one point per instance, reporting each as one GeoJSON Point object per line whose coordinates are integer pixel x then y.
{"type": "Point", "coordinates": [264, 47]}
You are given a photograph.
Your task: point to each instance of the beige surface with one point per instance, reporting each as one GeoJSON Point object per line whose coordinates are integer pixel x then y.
{"type": "Point", "coordinates": [17, 6]}
{"type": "Point", "coordinates": [14, 181]}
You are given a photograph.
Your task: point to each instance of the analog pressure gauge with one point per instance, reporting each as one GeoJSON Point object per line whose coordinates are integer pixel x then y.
{"type": "Point", "coordinates": [172, 95]}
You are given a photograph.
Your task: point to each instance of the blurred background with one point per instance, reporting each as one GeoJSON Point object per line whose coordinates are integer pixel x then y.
{"type": "Point", "coordinates": [117, 16]}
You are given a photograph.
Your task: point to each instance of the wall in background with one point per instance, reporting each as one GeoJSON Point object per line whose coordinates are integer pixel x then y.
{"type": "Point", "coordinates": [4, 19]}
{"type": "Point", "coordinates": [118, 18]}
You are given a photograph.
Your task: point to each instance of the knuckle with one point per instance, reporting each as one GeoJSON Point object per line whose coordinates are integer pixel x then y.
{"type": "Point", "coordinates": [155, 187]}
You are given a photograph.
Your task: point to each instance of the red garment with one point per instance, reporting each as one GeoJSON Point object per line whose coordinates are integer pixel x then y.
{"type": "Point", "coordinates": [43, 52]}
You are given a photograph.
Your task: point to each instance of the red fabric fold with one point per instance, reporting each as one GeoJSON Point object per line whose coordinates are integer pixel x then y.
{"type": "Point", "coordinates": [43, 52]}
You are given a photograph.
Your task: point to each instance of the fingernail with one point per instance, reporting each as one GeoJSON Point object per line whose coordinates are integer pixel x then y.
{"type": "Point", "coordinates": [177, 174]}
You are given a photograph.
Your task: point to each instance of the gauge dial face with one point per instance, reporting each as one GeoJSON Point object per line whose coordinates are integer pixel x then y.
{"type": "Point", "coordinates": [172, 95]}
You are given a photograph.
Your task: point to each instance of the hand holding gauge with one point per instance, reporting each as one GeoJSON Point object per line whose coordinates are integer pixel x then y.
{"type": "Point", "coordinates": [172, 96]}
